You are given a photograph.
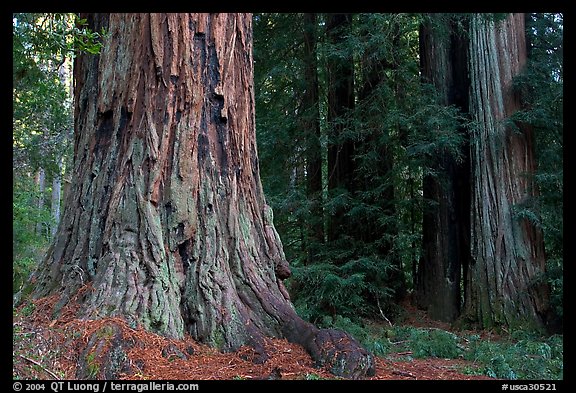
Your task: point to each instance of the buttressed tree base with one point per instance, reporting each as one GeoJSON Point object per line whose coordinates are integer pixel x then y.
{"type": "Point", "coordinates": [166, 218]}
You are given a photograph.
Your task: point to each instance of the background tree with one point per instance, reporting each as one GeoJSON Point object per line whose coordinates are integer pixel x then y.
{"type": "Point", "coordinates": [369, 260]}
{"type": "Point", "coordinates": [166, 220]}
{"type": "Point", "coordinates": [505, 282]}
{"type": "Point", "coordinates": [42, 122]}
{"type": "Point", "coordinates": [446, 224]}
{"type": "Point", "coordinates": [541, 90]}
{"type": "Point", "coordinates": [283, 124]}
{"type": "Point", "coordinates": [311, 125]}
{"type": "Point", "coordinates": [340, 102]}
{"type": "Point", "coordinates": [405, 214]}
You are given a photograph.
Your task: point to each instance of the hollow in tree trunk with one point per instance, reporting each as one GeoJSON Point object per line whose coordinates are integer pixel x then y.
{"type": "Point", "coordinates": [166, 217]}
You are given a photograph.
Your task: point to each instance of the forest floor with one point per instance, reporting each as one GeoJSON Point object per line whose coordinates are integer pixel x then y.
{"type": "Point", "coordinates": [50, 349]}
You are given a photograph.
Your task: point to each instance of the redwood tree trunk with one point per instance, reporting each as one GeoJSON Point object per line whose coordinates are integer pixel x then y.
{"type": "Point", "coordinates": [446, 224]}
{"type": "Point", "coordinates": [505, 280]}
{"type": "Point", "coordinates": [166, 219]}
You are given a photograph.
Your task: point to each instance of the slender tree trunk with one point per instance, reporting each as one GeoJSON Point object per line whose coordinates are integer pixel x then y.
{"type": "Point", "coordinates": [55, 200]}
{"type": "Point", "coordinates": [311, 126]}
{"type": "Point", "coordinates": [340, 102]}
{"type": "Point", "coordinates": [443, 60]}
{"type": "Point", "coordinates": [40, 181]}
{"type": "Point", "coordinates": [505, 279]}
{"type": "Point", "coordinates": [166, 219]}
{"type": "Point", "coordinates": [58, 191]}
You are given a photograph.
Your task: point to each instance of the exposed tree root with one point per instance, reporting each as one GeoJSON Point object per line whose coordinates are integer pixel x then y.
{"type": "Point", "coordinates": [333, 349]}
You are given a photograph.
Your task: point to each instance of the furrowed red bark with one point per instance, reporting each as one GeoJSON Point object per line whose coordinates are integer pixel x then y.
{"type": "Point", "coordinates": [505, 283]}
{"type": "Point", "coordinates": [166, 218]}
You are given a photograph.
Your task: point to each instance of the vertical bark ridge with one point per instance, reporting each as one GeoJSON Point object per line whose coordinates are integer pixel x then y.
{"type": "Point", "coordinates": [507, 252]}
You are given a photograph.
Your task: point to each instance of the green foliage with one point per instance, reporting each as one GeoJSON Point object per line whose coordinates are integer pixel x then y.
{"type": "Point", "coordinates": [526, 358]}
{"type": "Point", "coordinates": [322, 288]}
{"type": "Point", "coordinates": [92, 365]}
{"type": "Point", "coordinates": [400, 130]}
{"type": "Point", "coordinates": [27, 309]}
{"type": "Point", "coordinates": [57, 34]}
{"type": "Point", "coordinates": [435, 343]}
{"type": "Point", "coordinates": [42, 124]}
{"type": "Point", "coordinates": [278, 78]}
{"type": "Point", "coordinates": [42, 117]}
{"type": "Point", "coordinates": [28, 246]}
{"type": "Point", "coordinates": [523, 355]}
{"type": "Point", "coordinates": [42, 47]}
{"type": "Point", "coordinates": [397, 128]}
{"type": "Point", "coordinates": [424, 343]}
{"type": "Point", "coordinates": [327, 289]}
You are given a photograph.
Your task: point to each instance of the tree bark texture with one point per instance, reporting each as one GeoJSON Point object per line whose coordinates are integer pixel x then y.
{"type": "Point", "coordinates": [505, 282]}
{"type": "Point", "coordinates": [166, 218]}
{"type": "Point", "coordinates": [446, 224]}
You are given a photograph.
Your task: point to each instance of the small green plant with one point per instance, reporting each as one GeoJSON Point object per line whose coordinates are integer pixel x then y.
{"type": "Point", "coordinates": [435, 343]}
{"type": "Point", "coordinates": [379, 347]}
{"type": "Point", "coordinates": [28, 309]}
{"type": "Point", "coordinates": [525, 355]}
{"type": "Point", "coordinates": [105, 332]}
{"type": "Point", "coordinates": [92, 364]}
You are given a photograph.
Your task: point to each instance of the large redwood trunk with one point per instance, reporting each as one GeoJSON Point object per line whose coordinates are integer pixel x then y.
{"type": "Point", "coordinates": [446, 223]}
{"type": "Point", "coordinates": [505, 283]}
{"type": "Point", "coordinates": [166, 217]}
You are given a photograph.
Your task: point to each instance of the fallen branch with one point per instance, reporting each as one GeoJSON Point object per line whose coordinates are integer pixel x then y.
{"type": "Point", "coordinates": [381, 313]}
{"type": "Point", "coordinates": [41, 366]}
{"type": "Point", "coordinates": [403, 353]}
{"type": "Point", "coordinates": [399, 342]}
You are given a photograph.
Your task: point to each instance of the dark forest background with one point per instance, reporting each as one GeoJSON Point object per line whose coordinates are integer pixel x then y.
{"type": "Point", "coordinates": [350, 133]}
